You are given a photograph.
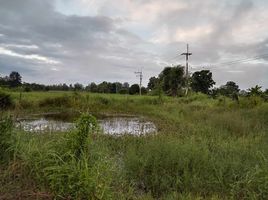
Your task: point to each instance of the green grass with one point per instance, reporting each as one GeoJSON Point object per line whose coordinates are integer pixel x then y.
{"type": "Point", "coordinates": [204, 149]}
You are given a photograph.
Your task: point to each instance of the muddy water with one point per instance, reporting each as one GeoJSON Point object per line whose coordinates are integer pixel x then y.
{"type": "Point", "coordinates": [123, 125]}
{"type": "Point", "coordinates": [111, 125]}
{"type": "Point", "coordinates": [44, 125]}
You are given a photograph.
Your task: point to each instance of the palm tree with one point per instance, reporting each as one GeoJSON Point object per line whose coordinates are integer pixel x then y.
{"type": "Point", "coordinates": [255, 91]}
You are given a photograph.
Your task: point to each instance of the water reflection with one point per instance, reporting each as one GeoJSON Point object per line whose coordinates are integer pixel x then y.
{"type": "Point", "coordinates": [113, 125]}
{"type": "Point", "coordinates": [44, 125]}
{"type": "Point", "coordinates": [119, 125]}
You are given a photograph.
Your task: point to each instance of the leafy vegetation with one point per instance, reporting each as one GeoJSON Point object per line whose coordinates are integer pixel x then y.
{"type": "Point", "coordinates": [205, 149]}
{"type": "Point", "coordinates": [202, 81]}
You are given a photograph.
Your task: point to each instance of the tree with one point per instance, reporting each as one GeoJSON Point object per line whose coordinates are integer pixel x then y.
{"type": "Point", "coordinates": [125, 85]}
{"type": "Point", "coordinates": [124, 89]}
{"type": "Point", "coordinates": [143, 90]}
{"type": "Point", "coordinates": [65, 87]}
{"type": "Point", "coordinates": [202, 81]}
{"type": "Point", "coordinates": [229, 89]}
{"type": "Point", "coordinates": [78, 87]}
{"type": "Point", "coordinates": [103, 87]}
{"type": "Point", "coordinates": [172, 79]}
{"type": "Point", "coordinates": [232, 87]}
{"type": "Point", "coordinates": [14, 79]}
{"type": "Point", "coordinates": [134, 89]}
{"type": "Point", "coordinates": [92, 87]}
{"type": "Point", "coordinates": [255, 91]}
{"type": "Point", "coordinates": [153, 82]}
{"type": "Point", "coordinates": [4, 81]}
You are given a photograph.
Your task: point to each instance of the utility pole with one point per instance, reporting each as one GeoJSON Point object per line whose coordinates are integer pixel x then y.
{"type": "Point", "coordinates": [139, 74]}
{"type": "Point", "coordinates": [187, 54]}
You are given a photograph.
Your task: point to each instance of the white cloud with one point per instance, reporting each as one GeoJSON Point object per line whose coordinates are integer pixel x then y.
{"type": "Point", "coordinates": [35, 57]}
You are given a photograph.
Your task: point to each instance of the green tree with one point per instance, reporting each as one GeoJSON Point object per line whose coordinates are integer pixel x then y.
{"type": "Point", "coordinates": [229, 89]}
{"type": "Point", "coordinates": [202, 81]}
{"type": "Point", "coordinates": [103, 87]}
{"type": "Point", "coordinates": [14, 79]}
{"type": "Point", "coordinates": [153, 82]}
{"type": "Point", "coordinates": [255, 91]}
{"type": "Point", "coordinates": [172, 79]}
{"type": "Point", "coordinates": [134, 89]}
{"type": "Point", "coordinates": [78, 87]}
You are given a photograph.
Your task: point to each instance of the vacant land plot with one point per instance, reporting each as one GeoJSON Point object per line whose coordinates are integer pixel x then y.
{"type": "Point", "coordinates": [204, 148]}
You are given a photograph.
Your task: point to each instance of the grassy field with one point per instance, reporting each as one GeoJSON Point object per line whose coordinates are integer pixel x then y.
{"type": "Point", "coordinates": [205, 149]}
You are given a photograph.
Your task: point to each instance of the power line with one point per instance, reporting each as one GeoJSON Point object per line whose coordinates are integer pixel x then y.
{"type": "Point", "coordinates": [245, 60]}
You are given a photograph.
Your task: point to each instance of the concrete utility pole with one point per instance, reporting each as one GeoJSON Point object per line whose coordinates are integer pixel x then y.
{"type": "Point", "coordinates": [139, 74]}
{"type": "Point", "coordinates": [187, 54]}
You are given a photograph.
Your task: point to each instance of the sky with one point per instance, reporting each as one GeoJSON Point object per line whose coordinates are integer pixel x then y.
{"type": "Point", "coordinates": [69, 41]}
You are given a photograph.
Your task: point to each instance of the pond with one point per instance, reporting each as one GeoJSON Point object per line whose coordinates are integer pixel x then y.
{"type": "Point", "coordinates": [109, 125]}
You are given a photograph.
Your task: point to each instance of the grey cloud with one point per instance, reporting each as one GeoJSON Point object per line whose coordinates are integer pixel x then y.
{"type": "Point", "coordinates": [97, 48]}
{"type": "Point", "coordinates": [78, 41]}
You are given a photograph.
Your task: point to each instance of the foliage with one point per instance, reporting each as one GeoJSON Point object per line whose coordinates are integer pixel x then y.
{"type": "Point", "coordinates": [5, 101]}
{"type": "Point", "coordinates": [204, 149]}
{"type": "Point", "coordinates": [172, 80]}
{"type": "Point", "coordinates": [134, 89]}
{"type": "Point", "coordinates": [153, 83]}
{"type": "Point", "coordinates": [6, 139]}
{"type": "Point", "coordinates": [56, 101]}
{"type": "Point", "coordinates": [202, 81]}
{"type": "Point", "coordinates": [78, 87]}
{"type": "Point", "coordinates": [86, 125]}
{"type": "Point", "coordinates": [229, 89]}
{"type": "Point", "coordinates": [14, 79]}
{"type": "Point", "coordinates": [255, 91]}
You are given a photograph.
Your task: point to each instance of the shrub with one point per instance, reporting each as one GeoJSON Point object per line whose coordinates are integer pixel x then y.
{"type": "Point", "coordinates": [250, 102]}
{"type": "Point", "coordinates": [5, 138]}
{"type": "Point", "coordinates": [5, 101]}
{"type": "Point", "coordinates": [86, 125]}
{"type": "Point", "coordinates": [24, 104]}
{"type": "Point", "coordinates": [103, 100]}
{"type": "Point", "coordinates": [63, 101]}
{"type": "Point", "coordinates": [74, 167]}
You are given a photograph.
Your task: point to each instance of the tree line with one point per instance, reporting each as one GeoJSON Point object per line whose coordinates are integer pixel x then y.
{"type": "Point", "coordinates": [171, 81]}
{"type": "Point", "coordinates": [14, 80]}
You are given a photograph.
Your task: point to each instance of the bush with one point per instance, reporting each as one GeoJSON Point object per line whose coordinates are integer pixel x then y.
{"type": "Point", "coordinates": [250, 102]}
{"type": "Point", "coordinates": [86, 125]}
{"type": "Point", "coordinates": [5, 138]}
{"type": "Point", "coordinates": [72, 166]}
{"type": "Point", "coordinates": [103, 100]}
{"type": "Point", "coordinates": [165, 164]}
{"type": "Point", "coordinates": [123, 91]}
{"type": "Point", "coordinates": [63, 101]}
{"type": "Point", "coordinates": [5, 101]}
{"type": "Point", "coordinates": [24, 104]}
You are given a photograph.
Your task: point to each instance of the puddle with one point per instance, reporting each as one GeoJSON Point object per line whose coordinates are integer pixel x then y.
{"type": "Point", "coordinates": [123, 125]}
{"type": "Point", "coordinates": [110, 125]}
{"type": "Point", "coordinates": [44, 125]}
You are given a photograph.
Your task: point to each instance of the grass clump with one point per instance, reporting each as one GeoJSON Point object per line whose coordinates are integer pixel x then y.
{"type": "Point", "coordinates": [61, 101]}
{"type": "Point", "coordinates": [5, 101]}
{"type": "Point", "coordinates": [71, 165]}
{"type": "Point", "coordinates": [6, 139]}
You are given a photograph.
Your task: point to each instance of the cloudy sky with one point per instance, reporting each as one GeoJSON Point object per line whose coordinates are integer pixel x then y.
{"type": "Point", "coordinates": [57, 41]}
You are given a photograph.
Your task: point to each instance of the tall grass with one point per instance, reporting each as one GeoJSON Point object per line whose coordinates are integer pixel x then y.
{"type": "Point", "coordinates": [70, 165]}
{"type": "Point", "coordinates": [204, 149]}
